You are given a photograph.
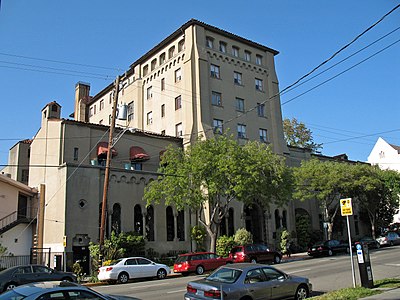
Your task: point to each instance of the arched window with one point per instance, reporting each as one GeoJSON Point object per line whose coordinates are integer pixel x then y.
{"type": "Point", "coordinates": [116, 218]}
{"type": "Point", "coordinates": [231, 224]}
{"type": "Point", "coordinates": [222, 227]}
{"type": "Point", "coordinates": [138, 219]}
{"type": "Point", "coordinates": [181, 225]}
{"type": "Point", "coordinates": [284, 219]}
{"type": "Point", "coordinates": [170, 224]}
{"type": "Point", "coordinates": [150, 223]}
{"type": "Point", "coordinates": [277, 219]}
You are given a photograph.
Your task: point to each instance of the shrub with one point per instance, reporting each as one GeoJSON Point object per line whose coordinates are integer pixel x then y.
{"type": "Point", "coordinates": [198, 234]}
{"type": "Point", "coordinates": [284, 240]}
{"type": "Point", "coordinates": [224, 245]}
{"type": "Point", "coordinates": [243, 237]}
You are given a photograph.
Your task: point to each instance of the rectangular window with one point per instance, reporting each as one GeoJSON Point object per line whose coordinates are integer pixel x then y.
{"type": "Point", "coordinates": [163, 111]}
{"type": "Point", "coordinates": [209, 42]}
{"type": "Point", "coordinates": [178, 75]}
{"type": "Point", "coordinates": [178, 102]}
{"type": "Point", "coordinates": [259, 60]}
{"type": "Point", "coordinates": [247, 55]}
{"type": "Point", "coordinates": [25, 176]}
{"type": "Point", "coordinates": [240, 104]}
{"type": "Point", "coordinates": [76, 154]}
{"type": "Point", "coordinates": [149, 93]}
{"type": "Point", "coordinates": [178, 130]}
{"type": "Point", "coordinates": [263, 135]}
{"type": "Point", "coordinates": [235, 51]}
{"type": "Point", "coordinates": [237, 78]}
{"type": "Point", "coordinates": [150, 118]}
{"type": "Point", "coordinates": [162, 58]}
{"type": "Point", "coordinates": [261, 109]}
{"type": "Point", "coordinates": [222, 47]}
{"type": "Point", "coordinates": [153, 64]}
{"type": "Point", "coordinates": [215, 71]}
{"type": "Point", "coordinates": [109, 119]}
{"type": "Point", "coordinates": [137, 166]}
{"type": "Point", "coordinates": [101, 104]}
{"type": "Point", "coordinates": [259, 84]}
{"type": "Point", "coordinates": [216, 99]}
{"type": "Point", "coordinates": [111, 97]}
{"type": "Point", "coordinates": [91, 112]}
{"type": "Point", "coordinates": [218, 126]}
{"type": "Point", "coordinates": [241, 131]}
{"type": "Point", "coordinates": [130, 111]}
{"type": "Point", "coordinates": [145, 70]}
{"type": "Point", "coordinates": [171, 52]}
{"type": "Point", "coordinates": [163, 84]}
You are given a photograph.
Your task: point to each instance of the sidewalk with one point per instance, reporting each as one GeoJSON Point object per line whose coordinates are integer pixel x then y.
{"type": "Point", "coordinates": [295, 257]}
{"type": "Point", "coordinates": [388, 294]}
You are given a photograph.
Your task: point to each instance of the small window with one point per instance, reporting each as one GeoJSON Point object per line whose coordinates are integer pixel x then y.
{"type": "Point", "coordinates": [150, 118]}
{"type": "Point", "coordinates": [235, 51]}
{"type": "Point", "coordinates": [130, 111]}
{"type": "Point", "coordinates": [162, 58]}
{"type": "Point", "coordinates": [153, 64]}
{"type": "Point", "coordinates": [259, 84]}
{"type": "Point", "coordinates": [216, 99]}
{"type": "Point", "coordinates": [163, 111]}
{"type": "Point", "coordinates": [178, 75]}
{"type": "Point", "coordinates": [247, 55]}
{"type": "Point", "coordinates": [241, 131]}
{"type": "Point", "coordinates": [259, 60]}
{"type": "Point", "coordinates": [218, 126]}
{"type": "Point", "coordinates": [94, 109]}
{"type": "Point", "coordinates": [240, 104]}
{"type": "Point", "coordinates": [137, 166]}
{"type": "Point", "coordinates": [54, 108]}
{"type": "Point", "coordinates": [91, 112]}
{"type": "Point", "coordinates": [163, 84]}
{"type": "Point", "coordinates": [145, 70]}
{"type": "Point", "coordinates": [76, 154]}
{"type": "Point", "coordinates": [181, 45]}
{"type": "Point", "coordinates": [178, 130]}
{"type": "Point", "coordinates": [263, 135]}
{"type": "Point", "coordinates": [162, 132]}
{"type": "Point", "coordinates": [149, 92]}
{"type": "Point", "coordinates": [209, 42]}
{"type": "Point", "coordinates": [214, 69]}
{"type": "Point", "coordinates": [261, 109]}
{"type": "Point", "coordinates": [171, 52]}
{"type": "Point", "coordinates": [178, 102]}
{"type": "Point", "coordinates": [101, 104]}
{"type": "Point", "coordinates": [237, 78]}
{"type": "Point", "coordinates": [222, 47]}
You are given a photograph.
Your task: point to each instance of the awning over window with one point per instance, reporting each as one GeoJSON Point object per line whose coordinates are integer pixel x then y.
{"type": "Point", "coordinates": [102, 148]}
{"type": "Point", "coordinates": [137, 153]}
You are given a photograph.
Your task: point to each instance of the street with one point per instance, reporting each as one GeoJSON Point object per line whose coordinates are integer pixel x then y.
{"type": "Point", "coordinates": [326, 274]}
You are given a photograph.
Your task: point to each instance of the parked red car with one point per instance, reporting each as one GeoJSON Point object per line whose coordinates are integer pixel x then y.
{"type": "Point", "coordinates": [254, 253]}
{"type": "Point", "coordinates": [198, 262]}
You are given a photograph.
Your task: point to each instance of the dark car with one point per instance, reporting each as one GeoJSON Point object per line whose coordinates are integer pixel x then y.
{"type": "Point", "coordinates": [53, 290]}
{"type": "Point", "coordinates": [248, 281]}
{"type": "Point", "coordinates": [14, 276]}
{"type": "Point", "coordinates": [370, 242]}
{"type": "Point", "coordinates": [199, 262]}
{"type": "Point", "coordinates": [328, 248]}
{"type": "Point", "coordinates": [254, 253]}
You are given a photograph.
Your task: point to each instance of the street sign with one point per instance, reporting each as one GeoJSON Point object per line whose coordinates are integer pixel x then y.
{"type": "Point", "coordinates": [345, 207]}
{"type": "Point", "coordinates": [64, 241]}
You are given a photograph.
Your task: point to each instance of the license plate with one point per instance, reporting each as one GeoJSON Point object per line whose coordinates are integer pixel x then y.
{"type": "Point", "coordinates": [200, 293]}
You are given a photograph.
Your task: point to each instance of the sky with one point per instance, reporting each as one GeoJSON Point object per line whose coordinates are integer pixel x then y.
{"type": "Point", "coordinates": [47, 46]}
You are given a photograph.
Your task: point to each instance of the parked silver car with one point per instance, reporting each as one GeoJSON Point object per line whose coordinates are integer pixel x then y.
{"type": "Point", "coordinates": [390, 238]}
{"type": "Point", "coordinates": [248, 281]}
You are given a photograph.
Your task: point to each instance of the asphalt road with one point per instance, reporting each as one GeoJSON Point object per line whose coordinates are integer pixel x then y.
{"type": "Point", "coordinates": [326, 274]}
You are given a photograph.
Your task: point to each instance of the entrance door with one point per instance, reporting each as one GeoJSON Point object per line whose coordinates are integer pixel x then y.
{"type": "Point", "coordinates": [22, 206]}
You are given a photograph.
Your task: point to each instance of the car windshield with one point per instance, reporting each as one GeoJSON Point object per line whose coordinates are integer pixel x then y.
{"type": "Point", "coordinates": [114, 262]}
{"type": "Point", "coordinates": [11, 295]}
{"type": "Point", "coordinates": [225, 275]}
{"type": "Point", "coordinates": [182, 259]}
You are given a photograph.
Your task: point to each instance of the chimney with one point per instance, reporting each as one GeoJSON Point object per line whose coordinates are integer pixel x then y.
{"type": "Point", "coordinates": [82, 98]}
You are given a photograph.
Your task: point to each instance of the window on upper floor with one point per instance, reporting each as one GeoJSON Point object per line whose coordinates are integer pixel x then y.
{"type": "Point", "coordinates": [258, 60]}
{"type": "Point", "coordinates": [263, 135]}
{"type": "Point", "coordinates": [150, 118]}
{"type": "Point", "coordinates": [240, 104]}
{"type": "Point", "coordinates": [181, 45]}
{"type": "Point", "coordinates": [261, 109]}
{"type": "Point", "coordinates": [162, 132]}
{"type": "Point", "coordinates": [145, 70]}
{"type": "Point", "coordinates": [247, 55]}
{"type": "Point", "coordinates": [259, 84]}
{"type": "Point", "coordinates": [94, 109]}
{"type": "Point", "coordinates": [241, 131]}
{"type": "Point", "coordinates": [237, 78]}
{"type": "Point", "coordinates": [216, 98]}
{"type": "Point", "coordinates": [101, 104]}
{"type": "Point", "coordinates": [171, 52]}
{"type": "Point", "coordinates": [162, 110]}
{"type": "Point", "coordinates": [178, 102]}
{"type": "Point", "coordinates": [130, 111]}
{"type": "Point", "coordinates": [178, 130]}
{"type": "Point", "coordinates": [163, 84]}
{"type": "Point", "coordinates": [235, 51]}
{"type": "Point", "coordinates": [91, 111]}
{"type": "Point", "coordinates": [222, 47]}
{"type": "Point", "coordinates": [162, 58]}
{"type": "Point", "coordinates": [214, 71]}
{"type": "Point", "coordinates": [178, 75]}
{"type": "Point", "coordinates": [149, 93]}
{"type": "Point", "coordinates": [218, 126]}
{"type": "Point", "coordinates": [209, 42]}
{"type": "Point", "coordinates": [76, 153]}
{"type": "Point", "coordinates": [153, 64]}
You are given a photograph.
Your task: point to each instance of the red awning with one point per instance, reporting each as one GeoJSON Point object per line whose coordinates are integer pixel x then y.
{"type": "Point", "coordinates": [137, 153]}
{"type": "Point", "coordinates": [102, 148]}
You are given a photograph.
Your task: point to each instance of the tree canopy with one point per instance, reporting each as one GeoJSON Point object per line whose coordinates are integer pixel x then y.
{"type": "Point", "coordinates": [297, 134]}
{"type": "Point", "coordinates": [211, 173]}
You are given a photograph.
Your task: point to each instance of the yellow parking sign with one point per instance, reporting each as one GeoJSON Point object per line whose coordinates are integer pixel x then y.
{"type": "Point", "coordinates": [345, 207]}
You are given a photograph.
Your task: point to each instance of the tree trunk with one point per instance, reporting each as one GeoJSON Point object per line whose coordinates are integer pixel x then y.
{"type": "Point", "coordinates": [330, 230]}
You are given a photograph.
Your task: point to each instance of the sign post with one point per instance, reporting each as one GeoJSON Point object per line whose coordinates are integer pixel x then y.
{"type": "Point", "coordinates": [347, 210]}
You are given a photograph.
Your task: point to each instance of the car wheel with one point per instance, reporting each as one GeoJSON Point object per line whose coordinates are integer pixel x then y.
{"type": "Point", "coordinates": [330, 252]}
{"type": "Point", "coordinates": [253, 260]}
{"type": "Point", "coordinates": [9, 286]}
{"type": "Point", "coordinates": [277, 259]}
{"type": "Point", "coordinates": [161, 274]}
{"type": "Point", "coordinates": [200, 270]}
{"type": "Point", "coordinates": [391, 243]}
{"type": "Point", "coordinates": [123, 277]}
{"type": "Point", "coordinates": [378, 245]}
{"type": "Point", "coordinates": [301, 292]}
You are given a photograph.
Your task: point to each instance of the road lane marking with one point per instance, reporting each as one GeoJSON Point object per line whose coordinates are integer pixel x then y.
{"type": "Point", "coordinates": [177, 291]}
{"type": "Point", "coordinates": [393, 265]}
{"type": "Point", "coordinates": [299, 271]}
{"type": "Point", "coordinates": [147, 286]}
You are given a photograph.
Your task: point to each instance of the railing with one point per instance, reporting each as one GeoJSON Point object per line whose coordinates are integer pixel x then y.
{"type": "Point", "coordinates": [28, 214]}
{"type": "Point", "coordinates": [12, 261]}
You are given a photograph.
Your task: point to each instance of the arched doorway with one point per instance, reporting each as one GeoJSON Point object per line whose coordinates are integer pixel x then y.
{"type": "Point", "coordinates": [254, 220]}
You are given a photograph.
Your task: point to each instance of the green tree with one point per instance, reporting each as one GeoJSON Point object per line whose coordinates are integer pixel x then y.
{"type": "Point", "coordinates": [243, 237]}
{"type": "Point", "coordinates": [297, 134]}
{"type": "Point", "coordinates": [211, 173]}
{"type": "Point", "coordinates": [224, 245]}
{"type": "Point", "coordinates": [3, 250]}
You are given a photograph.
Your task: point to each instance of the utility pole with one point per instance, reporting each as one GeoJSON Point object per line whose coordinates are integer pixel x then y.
{"type": "Point", "coordinates": [107, 170]}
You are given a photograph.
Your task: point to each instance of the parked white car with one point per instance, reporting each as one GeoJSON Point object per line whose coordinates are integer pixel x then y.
{"type": "Point", "coordinates": [389, 239]}
{"type": "Point", "coordinates": [124, 269]}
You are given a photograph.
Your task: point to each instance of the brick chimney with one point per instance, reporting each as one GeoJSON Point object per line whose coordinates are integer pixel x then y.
{"type": "Point", "coordinates": [82, 98]}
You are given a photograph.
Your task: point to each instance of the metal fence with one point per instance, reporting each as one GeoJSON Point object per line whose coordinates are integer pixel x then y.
{"type": "Point", "coordinates": [11, 261]}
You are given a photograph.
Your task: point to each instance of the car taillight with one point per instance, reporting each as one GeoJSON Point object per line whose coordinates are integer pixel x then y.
{"type": "Point", "coordinates": [109, 269]}
{"type": "Point", "coordinates": [191, 289]}
{"type": "Point", "coordinates": [319, 248]}
{"type": "Point", "coordinates": [216, 294]}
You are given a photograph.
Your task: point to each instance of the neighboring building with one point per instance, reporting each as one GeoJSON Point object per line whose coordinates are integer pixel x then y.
{"type": "Point", "coordinates": [387, 157]}
{"type": "Point", "coordinates": [18, 162]}
{"type": "Point", "coordinates": [18, 211]}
